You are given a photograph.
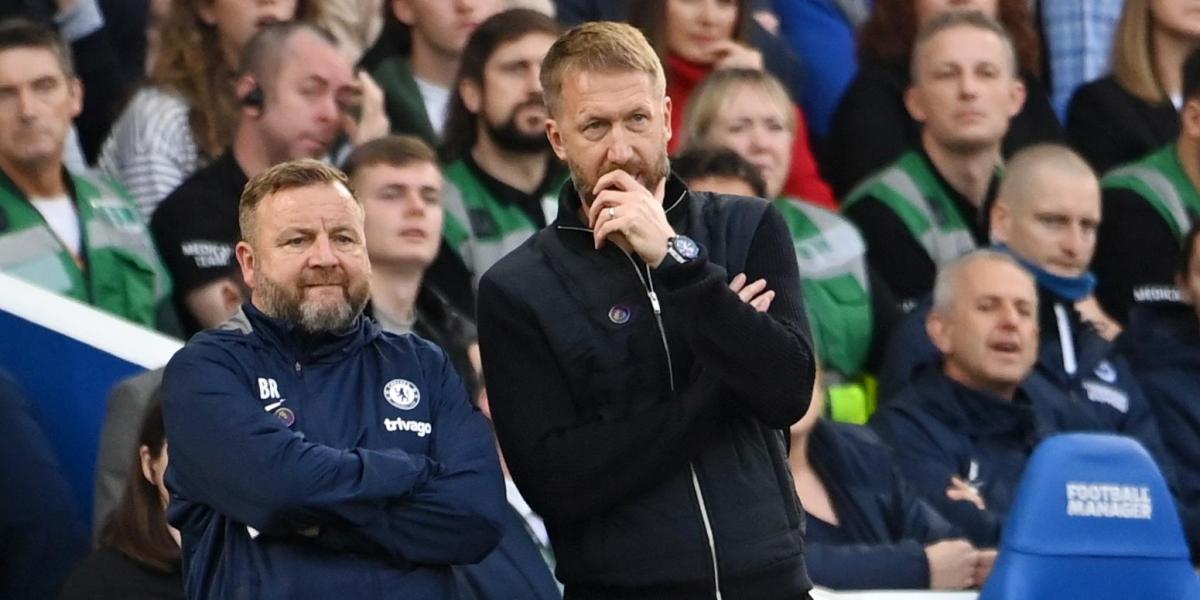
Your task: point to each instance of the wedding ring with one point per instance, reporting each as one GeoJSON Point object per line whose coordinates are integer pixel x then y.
{"type": "Point", "coordinates": [612, 212]}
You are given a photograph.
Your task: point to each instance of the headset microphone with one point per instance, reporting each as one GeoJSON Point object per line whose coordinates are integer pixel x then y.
{"type": "Point", "coordinates": [254, 98]}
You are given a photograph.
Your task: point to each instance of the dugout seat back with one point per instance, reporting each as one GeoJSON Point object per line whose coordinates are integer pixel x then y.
{"type": "Point", "coordinates": [1093, 520]}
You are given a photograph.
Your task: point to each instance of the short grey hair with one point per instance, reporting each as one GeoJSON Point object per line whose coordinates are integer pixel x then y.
{"type": "Point", "coordinates": [945, 286]}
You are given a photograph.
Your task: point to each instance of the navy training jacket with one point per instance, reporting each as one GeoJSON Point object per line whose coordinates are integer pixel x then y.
{"type": "Point", "coordinates": [939, 429]}
{"type": "Point", "coordinates": [1103, 384]}
{"type": "Point", "coordinates": [353, 466]}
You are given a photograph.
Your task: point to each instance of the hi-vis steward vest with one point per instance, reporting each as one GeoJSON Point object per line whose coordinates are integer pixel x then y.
{"type": "Point", "coordinates": [481, 228]}
{"type": "Point", "coordinates": [1159, 178]}
{"type": "Point", "coordinates": [124, 275]}
{"type": "Point", "coordinates": [911, 189]}
{"type": "Point", "coordinates": [831, 257]}
{"type": "Point", "coordinates": [833, 270]}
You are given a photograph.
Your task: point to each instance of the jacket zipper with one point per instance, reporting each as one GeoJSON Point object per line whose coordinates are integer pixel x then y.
{"type": "Point", "coordinates": [648, 285]}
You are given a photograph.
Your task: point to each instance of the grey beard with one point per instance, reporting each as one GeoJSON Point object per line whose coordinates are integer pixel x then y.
{"type": "Point", "coordinates": [316, 319]}
{"type": "Point", "coordinates": [311, 317]}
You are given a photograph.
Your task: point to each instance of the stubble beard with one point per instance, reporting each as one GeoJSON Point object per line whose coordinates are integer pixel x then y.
{"type": "Point", "coordinates": [648, 177]}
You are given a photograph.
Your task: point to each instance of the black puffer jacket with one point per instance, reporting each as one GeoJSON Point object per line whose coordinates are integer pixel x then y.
{"type": "Point", "coordinates": [651, 441]}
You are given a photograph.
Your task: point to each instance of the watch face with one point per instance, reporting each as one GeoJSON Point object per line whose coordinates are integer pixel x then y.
{"type": "Point", "coordinates": [686, 247]}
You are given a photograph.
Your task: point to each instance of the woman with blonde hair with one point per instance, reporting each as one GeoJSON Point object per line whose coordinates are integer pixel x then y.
{"type": "Point", "coordinates": [186, 116]}
{"type": "Point", "coordinates": [749, 112]}
{"type": "Point", "coordinates": [1134, 110]}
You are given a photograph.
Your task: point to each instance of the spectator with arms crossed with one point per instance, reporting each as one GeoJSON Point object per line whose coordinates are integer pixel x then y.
{"type": "Point", "coordinates": [628, 383]}
{"type": "Point", "coordinates": [868, 527]}
{"type": "Point", "coordinates": [963, 429]}
{"type": "Point", "coordinates": [313, 455]}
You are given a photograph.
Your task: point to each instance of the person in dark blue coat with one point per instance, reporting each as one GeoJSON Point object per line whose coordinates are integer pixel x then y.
{"type": "Point", "coordinates": [962, 430]}
{"type": "Point", "coordinates": [868, 528]}
{"type": "Point", "coordinates": [1163, 346]}
{"type": "Point", "coordinates": [312, 455]}
{"type": "Point", "coordinates": [42, 534]}
{"type": "Point", "coordinates": [1046, 216]}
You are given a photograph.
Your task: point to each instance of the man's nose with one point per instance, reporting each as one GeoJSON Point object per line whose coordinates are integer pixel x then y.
{"type": "Point", "coordinates": [414, 205]}
{"type": "Point", "coordinates": [533, 80]}
{"type": "Point", "coordinates": [328, 109]}
{"type": "Point", "coordinates": [1010, 317]}
{"type": "Point", "coordinates": [1073, 241]}
{"type": "Point", "coordinates": [26, 101]}
{"type": "Point", "coordinates": [321, 254]}
{"type": "Point", "coordinates": [968, 85]}
{"type": "Point", "coordinates": [619, 148]}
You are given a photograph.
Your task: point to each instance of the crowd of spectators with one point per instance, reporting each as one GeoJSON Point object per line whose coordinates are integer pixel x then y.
{"type": "Point", "coordinates": [947, 172]}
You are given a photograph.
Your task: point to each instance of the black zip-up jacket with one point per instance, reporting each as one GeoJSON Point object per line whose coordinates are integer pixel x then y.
{"type": "Point", "coordinates": [651, 466]}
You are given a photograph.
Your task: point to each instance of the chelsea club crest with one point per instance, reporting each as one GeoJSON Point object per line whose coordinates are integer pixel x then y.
{"type": "Point", "coordinates": [402, 393]}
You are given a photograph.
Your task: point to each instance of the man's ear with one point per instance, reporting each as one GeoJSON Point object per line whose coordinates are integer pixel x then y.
{"type": "Point", "coordinates": [912, 102]}
{"type": "Point", "coordinates": [1190, 119]}
{"type": "Point", "coordinates": [204, 10]}
{"type": "Point", "coordinates": [555, 136]}
{"type": "Point", "coordinates": [249, 95]}
{"type": "Point", "coordinates": [75, 89]}
{"type": "Point", "coordinates": [248, 262]}
{"type": "Point", "coordinates": [472, 95]}
{"type": "Point", "coordinates": [1001, 219]}
{"type": "Point", "coordinates": [667, 116]}
{"type": "Point", "coordinates": [1017, 96]}
{"type": "Point", "coordinates": [939, 332]}
{"type": "Point", "coordinates": [403, 12]}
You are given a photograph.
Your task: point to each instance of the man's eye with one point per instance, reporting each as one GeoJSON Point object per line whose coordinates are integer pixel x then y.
{"type": "Point", "coordinates": [45, 85]}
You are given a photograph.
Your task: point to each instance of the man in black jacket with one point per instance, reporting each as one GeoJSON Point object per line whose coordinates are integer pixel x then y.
{"type": "Point", "coordinates": [638, 400]}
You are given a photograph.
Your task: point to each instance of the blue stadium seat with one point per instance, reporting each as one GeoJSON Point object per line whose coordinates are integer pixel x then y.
{"type": "Point", "coordinates": [1093, 520]}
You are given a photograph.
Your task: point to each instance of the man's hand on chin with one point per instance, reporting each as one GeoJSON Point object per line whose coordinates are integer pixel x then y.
{"type": "Point", "coordinates": [624, 210]}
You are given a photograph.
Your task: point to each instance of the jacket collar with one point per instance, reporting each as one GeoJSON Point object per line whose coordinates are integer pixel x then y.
{"type": "Point", "coordinates": [1090, 348]}
{"type": "Point", "coordinates": [296, 344]}
{"type": "Point", "coordinates": [976, 412]}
